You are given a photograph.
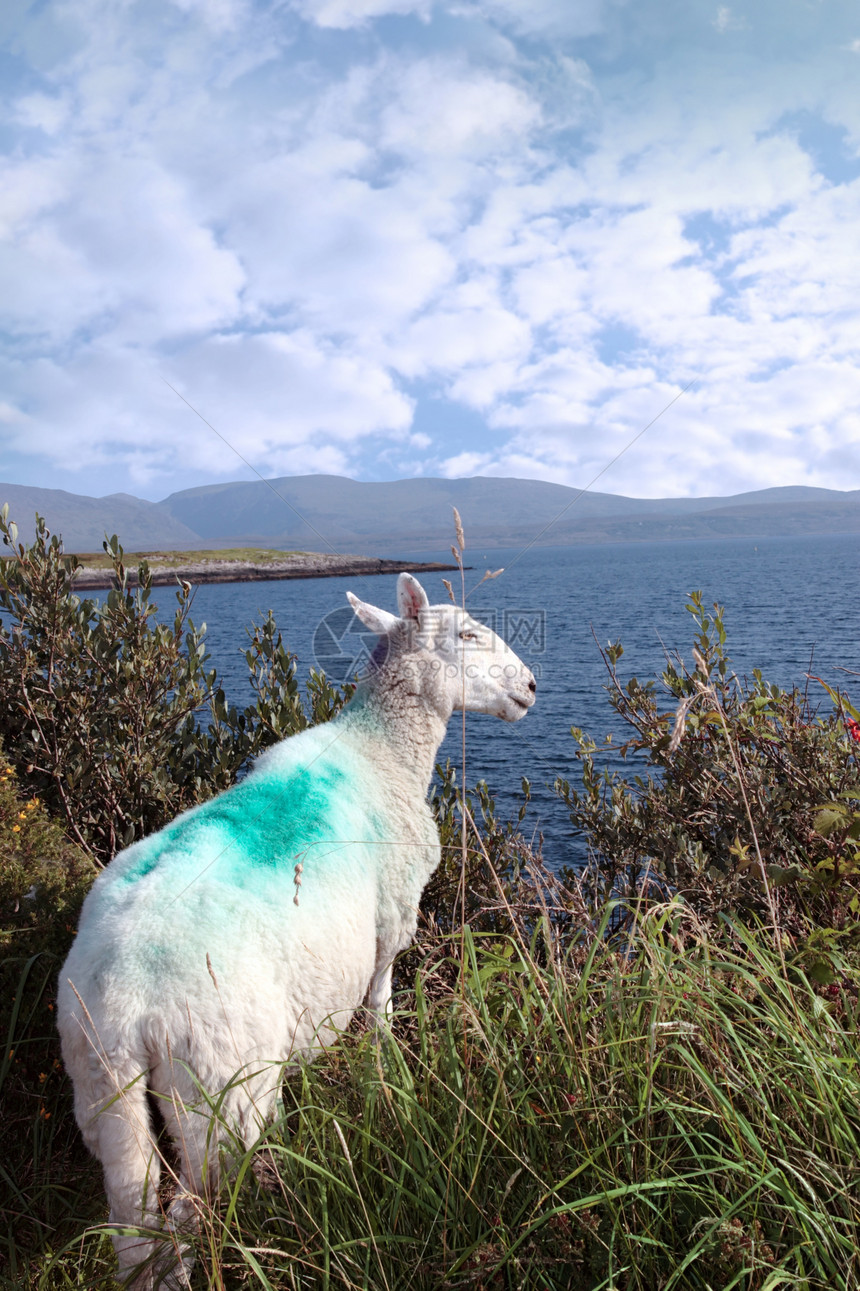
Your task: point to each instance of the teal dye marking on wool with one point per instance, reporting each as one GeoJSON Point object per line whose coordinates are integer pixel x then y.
{"type": "Point", "coordinates": [377, 825]}
{"type": "Point", "coordinates": [267, 820]}
{"type": "Point", "coordinates": [143, 861]}
{"type": "Point", "coordinates": [259, 829]}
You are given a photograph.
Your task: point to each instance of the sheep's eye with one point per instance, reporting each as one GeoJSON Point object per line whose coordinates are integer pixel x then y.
{"type": "Point", "coordinates": [468, 636]}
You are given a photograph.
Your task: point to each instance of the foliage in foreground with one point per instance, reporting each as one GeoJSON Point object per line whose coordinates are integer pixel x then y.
{"type": "Point", "coordinates": [600, 1120]}
{"type": "Point", "coordinates": [100, 704]}
{"type": "Point", "coordinates": [749, 796]}
{"type": "Point", "coordinates": [669, 1112]}
{"type": "Point", "coordinates": [43, 880]}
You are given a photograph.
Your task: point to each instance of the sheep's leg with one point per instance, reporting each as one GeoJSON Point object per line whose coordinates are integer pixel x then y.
{"type": "Point", "coordinates": [113, 1114]}
{"type": "Point", "coordinates": [379, 992]}
{"type": "Point", "coordinates": [121, 1137]}
{"type": "Point", "coordinates": [182, 1220]}
{"type": "Point", "coordinates": [199, 1133]}
{"type": "Point", "coordinates": [131, 1183]}
{"type": "Point", "coordinates": [379, 995]}
{"type": "Point", "coordinates": [196, 1140]}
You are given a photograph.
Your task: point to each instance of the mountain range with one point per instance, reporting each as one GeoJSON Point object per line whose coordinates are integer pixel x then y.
{"type": "Point", "coordinates": [332, 513]}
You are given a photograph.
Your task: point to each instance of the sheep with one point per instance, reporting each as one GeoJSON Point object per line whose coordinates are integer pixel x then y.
{"type": "Point", "coordinates": [243, 935]}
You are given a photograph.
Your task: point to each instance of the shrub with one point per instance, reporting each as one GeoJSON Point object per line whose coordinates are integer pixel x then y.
{"type": "Point", "coordinates": [728, 809]}
{"type": "Point", "coordinates": [43, 880]}
{"type": "Point", "coordinates": [473, 885]}
{"type": "Point", "coordinates": [100, 704]}
{"type": "Point", "coordinates": [43, 877]}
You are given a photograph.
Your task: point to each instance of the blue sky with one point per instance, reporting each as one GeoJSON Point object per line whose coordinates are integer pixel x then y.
{"type": "Point", "coordinates": [385, 238]}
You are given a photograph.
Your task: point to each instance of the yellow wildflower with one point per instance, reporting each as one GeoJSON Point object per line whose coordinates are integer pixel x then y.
{"type": "Point", "coordinates": [16, 829]}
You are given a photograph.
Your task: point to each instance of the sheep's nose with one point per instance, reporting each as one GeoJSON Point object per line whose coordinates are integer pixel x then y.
{"type": "Point", "coordinates": [533, 685]}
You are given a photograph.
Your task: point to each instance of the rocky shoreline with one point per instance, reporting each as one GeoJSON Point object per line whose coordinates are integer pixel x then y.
{"type": "Point", "coordinates": [300, 565]}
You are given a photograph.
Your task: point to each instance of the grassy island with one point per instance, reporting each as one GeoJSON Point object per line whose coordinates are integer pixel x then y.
{"type": "Point", "coordinates": [234, 565]}
{"type": "Point", "coordinates": [178, 559]}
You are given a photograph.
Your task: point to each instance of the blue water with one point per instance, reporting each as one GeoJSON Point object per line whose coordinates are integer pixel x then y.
{"type": "Point", "coordinates": [783, 598]}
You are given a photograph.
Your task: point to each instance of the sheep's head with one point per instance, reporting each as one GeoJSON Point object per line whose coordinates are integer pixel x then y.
{"type": "Point", "coordinates": [455, 661]}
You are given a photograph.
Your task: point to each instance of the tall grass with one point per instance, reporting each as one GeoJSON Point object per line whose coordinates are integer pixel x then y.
{"type": "Point", "coordinates": [50, 1189]}
{"type": "Point", "coordinates": [669, 1112]}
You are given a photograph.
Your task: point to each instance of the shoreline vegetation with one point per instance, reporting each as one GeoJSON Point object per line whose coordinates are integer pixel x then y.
{"type": "Point", "coordinates": [644, 1076]}
{"type": "Point", "coordinates": [240, 565]}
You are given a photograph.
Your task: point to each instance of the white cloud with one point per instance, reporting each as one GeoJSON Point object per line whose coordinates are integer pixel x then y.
{"type": "Point", "coordinates": [727, 20]}
{"type": "Point", "coordinates": [279, 400]}
{"type": "Point", "coordinates": [223, 16]}
{"type": "Point", "coordinates": [42, 112]}
{"type": "Point", "coordinates": [472, 329]}
{"type": "Point", "coordinates": [348, 256]}
{"type": "Point", "coordinates": [548, 17]}
{"type": "Point", "coordinates": [358, 13]}
{"type": "Point", "coordinates": [465, 464]}
{"type": "Point", "coordinates": [552, 232]}
{"type": "Point", "coordinates": [804, 265]}
{"type": "Point", "coordinates": [28, 186]}
{"type": "Point", "coordinates": [11, 415]}
{"type": "Point", "coordinates": [545, 17]}
{"type": "Point", "coordinates": [455, 111]}
{"type": "Point", "coordinates": [128, 252]}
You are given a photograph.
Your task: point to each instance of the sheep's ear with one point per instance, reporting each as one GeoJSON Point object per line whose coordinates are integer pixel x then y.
{"type": "Point", "coordinates": [379, 621]}
{"type": "Point", "coordinates": [411, 597]}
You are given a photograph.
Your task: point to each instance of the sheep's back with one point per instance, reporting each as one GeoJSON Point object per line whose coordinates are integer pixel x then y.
{"type": "Point", "coordinates": [277, 890]}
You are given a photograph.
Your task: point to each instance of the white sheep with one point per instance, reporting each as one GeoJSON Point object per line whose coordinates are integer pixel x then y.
{"type": "Point", "coordinates": [245, 933]}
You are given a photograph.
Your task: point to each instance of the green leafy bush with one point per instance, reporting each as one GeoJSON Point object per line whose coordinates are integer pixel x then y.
{"type": "Point", "coordinates": [100, 704]}
{"type": "Point", "coordinates": [729, 809]}
{"type": "Point", "coordinates": [43, 880]}
{"type": "Point", "coordinates": [43, 877]}
{"type": "Point", "coordinates": [483, 867]}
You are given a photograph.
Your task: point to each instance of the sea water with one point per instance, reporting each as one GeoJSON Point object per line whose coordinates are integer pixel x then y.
{"type": "Point", "coordinates": [791, 607]}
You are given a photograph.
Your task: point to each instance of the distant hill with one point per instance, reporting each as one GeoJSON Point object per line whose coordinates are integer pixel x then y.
{"type": "Point", "coordinates": [83, 521]}
{"type": "Point", "coordinates": [330, 512]}
{"type": "Point", "coordinates": [416, 513]}
{"type": "Point", "coordinates": [361, 516]}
